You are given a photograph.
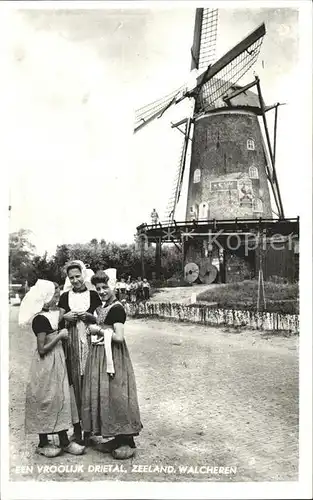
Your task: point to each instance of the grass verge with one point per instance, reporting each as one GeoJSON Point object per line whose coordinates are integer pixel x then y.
{"type": "Point", "coordinates": [281, 298]}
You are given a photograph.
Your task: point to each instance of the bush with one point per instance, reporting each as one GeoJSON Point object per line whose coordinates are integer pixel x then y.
{"type": "Point", "coordinates": [278, 279]}
{"type": "Point", "coordinates": [176, 282]}
{"type": "Point", "coordinates": [160, 283]}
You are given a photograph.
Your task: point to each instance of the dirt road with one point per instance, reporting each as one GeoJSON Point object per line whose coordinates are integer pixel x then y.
{"type": "Point", "coordinates": [209, 398]}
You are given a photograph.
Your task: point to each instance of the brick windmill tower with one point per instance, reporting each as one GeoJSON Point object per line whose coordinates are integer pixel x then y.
{"type": "Point", "coordinates": [232, 177]}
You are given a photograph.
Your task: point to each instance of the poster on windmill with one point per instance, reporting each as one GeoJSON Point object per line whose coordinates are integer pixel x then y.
{"type": "Point", "coordinates": [245, 193]}
{"type": "Point", "coordinates": [152, 307]}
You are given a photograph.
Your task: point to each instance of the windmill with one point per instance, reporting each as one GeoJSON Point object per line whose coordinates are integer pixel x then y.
{"type": "Point", "coordinates": [232, 174]}
{"type": "Point", "coordinates": [213, 82]}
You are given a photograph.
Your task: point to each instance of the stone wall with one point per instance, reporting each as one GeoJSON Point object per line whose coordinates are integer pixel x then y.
{"type": "Point", "coordinates": [205, 314]}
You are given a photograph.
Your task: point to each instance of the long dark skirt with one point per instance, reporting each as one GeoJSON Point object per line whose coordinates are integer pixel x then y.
{"type": "Point", "coordinates": [48, 408]}
{"type": "Point", "coordinates": [74, 368]}
{"type": "Point", "coordinates": [110, 405]}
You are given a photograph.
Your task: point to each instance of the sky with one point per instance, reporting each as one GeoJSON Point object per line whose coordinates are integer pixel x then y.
{"type": "Point", "coordinates": [72, 81]}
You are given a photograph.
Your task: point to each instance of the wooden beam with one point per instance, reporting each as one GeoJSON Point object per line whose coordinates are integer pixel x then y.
{"type": "Point", "coordinates": [278, 201]}
{"type": "Point", "coordinates": [180, 180]}
{"type": "Point", "coordinates": [142, 256]}
{"type": "Point", "coordinates": [275, 133]}
{"type": "Point", "coordinates": [240, 91]}
{"type": "Point", "coordinates": [158, 255]}
{"type": "Point", "coordinates": [195, 50]}
{"type": "Point", "coordinates": [173, 241]}
{"type": "Point", "coordinates": [184, 133]}
{"type": "Point", "coordinates": [269, 108]}
{"type": "Point", "coordinates": [181, 122]}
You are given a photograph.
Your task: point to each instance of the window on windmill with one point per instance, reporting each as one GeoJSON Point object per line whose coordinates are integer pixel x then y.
{"type": "Point", "coordinates": [250, 144]}
{"type": "Point", "coordinates": [197, 175]}
{"type": "Point", "coordinates": [253, 172]}
{"type": "Point", "coordinates": [257, 205]}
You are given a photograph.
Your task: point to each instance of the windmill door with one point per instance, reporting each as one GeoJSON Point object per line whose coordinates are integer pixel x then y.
{"type": "Point", "coordinates": [203, 211]}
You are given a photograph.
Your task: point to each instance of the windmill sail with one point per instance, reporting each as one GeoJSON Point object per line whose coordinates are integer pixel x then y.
{"type": "Point", "coordinates": [155, 109]}
{"type": "Point", "coordinates": [203, 54]}
{"type": "Point", "coordinates": [205, 35]}
{"type": "Point", "coordinates": [215, 88]}
{"type": "Point", "coordinates": [233, 65]}
{"type": "Point", "coordinates": [175, 192]}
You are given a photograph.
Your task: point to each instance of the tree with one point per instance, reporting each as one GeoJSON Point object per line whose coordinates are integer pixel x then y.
{"type": "Point", "coordinates": [21, 253]}
{"type": "Point", "coordinates": [47, 269]}
{"type": "Point", "coordinates": [171, 261]}
{"type": "Point", "coordinates": [126, 258]}
{"type": "Point", "coordinates": [62, 255]}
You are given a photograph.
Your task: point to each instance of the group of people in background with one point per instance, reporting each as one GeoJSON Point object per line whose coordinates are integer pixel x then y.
{"type": "Point", "coordinates": [132, 289]}
{"type": "Point", "coordinates": [81, 375]}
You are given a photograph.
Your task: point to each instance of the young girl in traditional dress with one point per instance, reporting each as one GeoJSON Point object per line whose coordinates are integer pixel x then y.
{"type": "Point", "coordinates": [110, 404]}
{"type": "Point", "coordinates": [77, 306]}
{"type": "Point", "coordinates": [48, 407]}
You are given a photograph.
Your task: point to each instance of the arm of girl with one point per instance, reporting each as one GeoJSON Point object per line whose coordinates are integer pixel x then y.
{"type": "Point", "coordinates": [68, 316]}
{"type": "Point", "coordinates": [43, 348]}
{"type": "Point", "coordinates": [87, 318]}
{"type": "Point", "coordinates": [63, 307]}
{"type": "Point", "coordinates": [118, 334]}
{"type": "Point", "coordinates": [61, 314]}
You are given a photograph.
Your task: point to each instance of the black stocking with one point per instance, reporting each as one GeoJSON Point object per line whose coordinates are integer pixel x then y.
{"type": "Point", "coordinates": [78, 431]}
{"type": "Point", "coordinates": [63, 438]}
{"type": "Point", "coordinates": [43, 440]}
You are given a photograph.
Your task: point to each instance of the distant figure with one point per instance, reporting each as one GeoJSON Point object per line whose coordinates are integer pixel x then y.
{"type": "Point", "coordinates": [139, 288]}
{"type": "Point", "coordinates": [117, 290]}
{"type": "Point", "coordinates": [128, 288]}
{"type": "Point", "coordinates": [133, 291]}
{"type": "Point", "coordinates": [122, 289]}
{"type": "Point", "coordinates": [154, 217]}
{"type": "Point", "coordinates": [126, 306]}
{"type": "Point", "coordinates": [146, 289]}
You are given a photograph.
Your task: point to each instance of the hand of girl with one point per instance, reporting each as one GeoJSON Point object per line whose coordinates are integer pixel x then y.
{"type": "Point", "coordinates": [85, 316]}
{"type": "Point", "coordinates": [71, 316]}
{"type": "Point", "coordinates": [63, 334]}
{"type": "Point", "coordinates": [94, 329]}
